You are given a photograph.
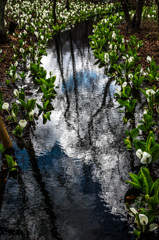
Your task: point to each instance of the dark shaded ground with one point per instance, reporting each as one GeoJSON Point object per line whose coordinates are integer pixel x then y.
{"type": "Point", "coordinates": [150, 36]}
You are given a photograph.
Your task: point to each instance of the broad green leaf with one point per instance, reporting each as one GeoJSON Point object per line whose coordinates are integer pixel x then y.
{"type": "Point", "coordinates": [44, 90]}
{"type": "Point", "coordinates": [142, 128]}
{"type": "Point", "coordinates": [11, 163]}
{"type": "Point", "coordinates": [23, 103]}
{"type": "Point", "coordinates": [133, 102]}
{"type": "Point", "coordinates": [150, 76]}
{"type": "Point", "coordinates": [135, 185]}
{"type": "Point", "coordinates": [134, 133]}
{"type": "Point", "coordinates": [44, 82]}
{"type": "Point", "coordinates": [121, 102]}
{"type": "Point", "coordinates": [155, 188]}
{"type": "Point", "coordinates": [127, 132]}
{"type": "Point", "coordinates": [147, 180]}
{"type": "Point", "coordinates": [127, 90]}
{"type": "Point", "coordinates": [139, 144]}
{"type": "Point", "coordinates": [154, 201]}
{"type": "Point", "coordinates": [148, 118]}
{"type": "Point", "coordinates": [150, 215]}
{"type": "Point", "coordinates": [150, 141]}
{"type": "Point", "coordinates": [46, 104]}
{"type": "Point", "coordinates": [154, 151]}
{"type": "Point", "coordinates": [134, 178]}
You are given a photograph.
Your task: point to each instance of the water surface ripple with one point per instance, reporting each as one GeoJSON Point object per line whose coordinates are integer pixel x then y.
{"type": "Point", "coordinates": [73, 169]}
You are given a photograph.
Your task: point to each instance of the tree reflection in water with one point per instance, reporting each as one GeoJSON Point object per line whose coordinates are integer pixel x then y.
{"type": "Point", "coordinates": [75, 165]}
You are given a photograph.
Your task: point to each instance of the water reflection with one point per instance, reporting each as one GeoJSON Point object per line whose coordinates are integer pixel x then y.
{"type": "Point", "coordinates": [72, 181]}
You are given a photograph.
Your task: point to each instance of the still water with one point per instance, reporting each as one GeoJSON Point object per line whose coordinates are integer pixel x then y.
{"type": "Point", "coordinates": [71, 185]}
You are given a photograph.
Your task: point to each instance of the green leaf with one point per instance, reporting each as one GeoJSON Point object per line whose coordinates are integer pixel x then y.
{"type": "Point", "coordinates": [154, 151]}
{"type": "Point", "coordinates": [150, 141]}
{"type": "Point", "coordinates": [144, 92]}
{"type": "Point", "coordinates": [133, 102]}
{"type": "Point", "coordinates": [150, 76]}
{"type": "Point", "coordinates": [142, 128]}
{"type": "Point", "coordinates": [135, 185]}
{"type": "Point", "coordinates": [155, 188]}
{"type": "Point", "coordinates": [44, 82]}
{"type": "Point", "coordinates": [121, 102]}
{"type": "Point", "coordinates": [148, 118]}
{"type": "Point", "coordinates": [127, 133]}
{"type": "Point", "coordinates": [134, 133]}
{"type": "Point", "coordinates": [150, 215]}
{"type": "Point", "coordinates": [137, 233]}
{"type": "Point", "coordinates": [135, 178]}
{"type": "Point", "coordinates": [154, 201]}
{"type": "Point", "coordinates": [46, 104]}
{"type": "Point", "coordinates": [44, 90]}
{"type": "Point", "coordinates": [139, 144]}
{"type": "Point", "coordinates": [40, 107]}
{"type": "Point", "coordinates": [21, 95]}
{"type": "Point", "coordinates": [23, 103]}
{"type": "Point", "coordinates": [11, 163]}
{"type": "Point", "coordinates": [1, 148]}
{"type": "Point", "coordinates": [147, 180]}
{"type": "Point", "coordinates": [127, 90]}
{"type": "Point", "coordinates": [31, 104]}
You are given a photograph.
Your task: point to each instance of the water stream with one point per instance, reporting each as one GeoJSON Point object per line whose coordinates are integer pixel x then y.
{"type": "Point", "coordinates": [73, 169]}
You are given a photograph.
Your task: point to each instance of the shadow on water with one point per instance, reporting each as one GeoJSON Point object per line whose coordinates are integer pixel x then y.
{"type": "Point", "coordinates": [71, 184]}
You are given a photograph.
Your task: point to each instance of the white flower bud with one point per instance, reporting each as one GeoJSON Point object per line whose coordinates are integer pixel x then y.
{"type": "Point", "coordinates": [149, 59]}
{"type": "Point", "coordinates": [150, 92]}
{"type": "Point", "coordinates": [31, 114]}
{"type": "Point", "coordinates": [113, 35]}
{"type": "Point", "coordinates": [22, 123]}
{"type": "Point", "coordinates": [16, 93]}
{"type": "Point", "coordinates": [13, 114]}
{"type": "Point", "coordinates": [130, 75]}
{"type": "Point", "coordinates": [124, 84]}
{"type": "Point", "coordinates": [146, 158]}
{"type": "Point", "coordinates": [131, 59]}
{"type": "Point", "coordinates": [5, 106]}
{"type": "Point", "coordinates": [139, 153]}
{"type": "Point", "coordinates": [106, 57]}
{"type": "Point", "coordinates": [133, 211]}
{"type": "Point", "coordinates": [153, 226]}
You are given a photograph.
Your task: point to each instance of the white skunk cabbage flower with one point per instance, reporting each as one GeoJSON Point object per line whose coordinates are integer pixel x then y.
{"type": "Point", "coordinates": [133, 212]}
{"type": "Point", "coordinates": [145, 157]}
{"type": "Point", "coordinates": [106, 57]}
{"type": "Point", "coordinates": [143, 219]}
{"type": "Point", "coordinates": [113, 35]}
{"type": "Point", "coordinates": [149, 59]}
{"type": "Point", "coordinates": [139, 153]}
{"type": "Point", "coordinates": [5, 106]}
{"type": "Point", "coordinates": [153, 226]}
{"type": "Point", "coordinates": [22, 123]}
{"type": "Point", "coordinates": [31, 113]}
{"type": "Point", "coordinates": [124, 84]}
{"type": "Point", "coordinates": [130, 75]}
{"type": "Point", "coordinates": [150, 92]}
{"type": "Point", "coordinates": [16, 92]}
